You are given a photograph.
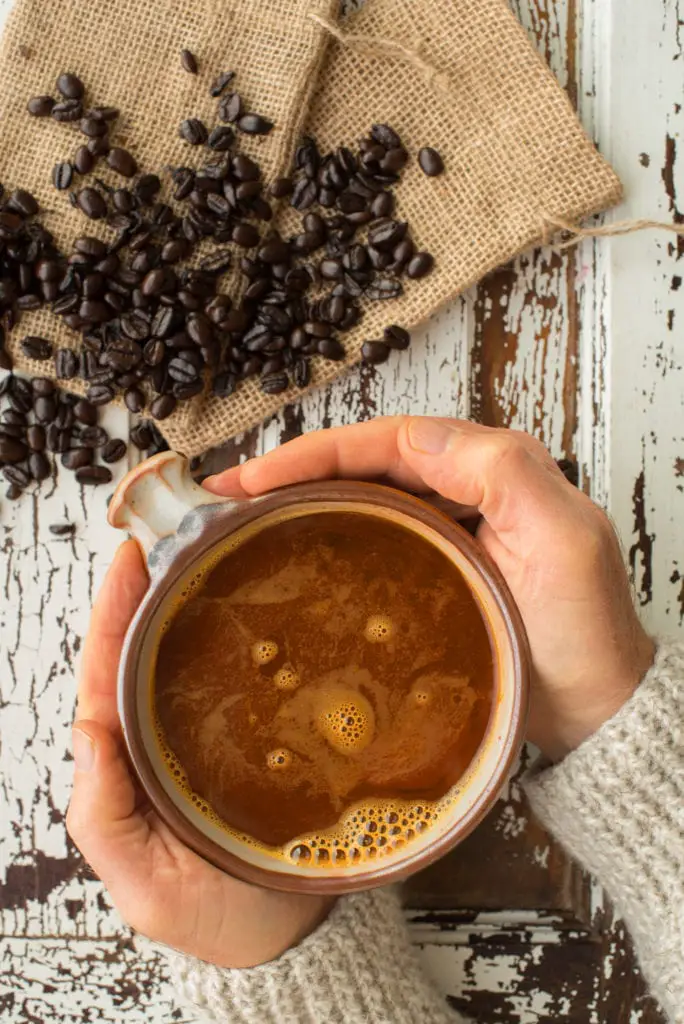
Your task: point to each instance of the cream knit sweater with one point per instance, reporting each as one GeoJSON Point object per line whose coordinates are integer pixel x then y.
{"type": "Point", "coordinates": [616, 804]}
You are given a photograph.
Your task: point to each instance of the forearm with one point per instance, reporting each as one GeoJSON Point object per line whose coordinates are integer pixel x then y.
{"type": "Point", "coordinates": [617, 805]}
{"type": "Point", "coordinates": [357, 968]}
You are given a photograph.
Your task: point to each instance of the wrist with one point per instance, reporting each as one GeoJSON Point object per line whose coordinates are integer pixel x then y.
{"type": "Point", "coordinates": [276, 923]}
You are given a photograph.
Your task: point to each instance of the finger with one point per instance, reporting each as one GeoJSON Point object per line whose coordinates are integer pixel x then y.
{"type": "Point", "coordinates": [226, 484]}
{"type": "Point", "coordinates": [122, 591]}
{"type": "Point", "coordinates": [508, 476]}
{"type": "Point", "coordinates": [102, 818]}
{"type": "Point", "coordinates": [362, 451]}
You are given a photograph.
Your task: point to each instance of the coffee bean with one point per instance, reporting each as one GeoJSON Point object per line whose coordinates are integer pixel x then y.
{"type": "Point", "coordinates": [194, 131]}
{"type": "Point", "coordinates": [36, 348]}
{"type": "Point", "coordinates": [35, 437]}
{"type": "Point", "coordinates": [70, 86]}
{"type": "Point", "coordinates": [57, 440]}
{"type": "Point", "coordinates": [93, 127]}
{"type": "Point", "coordinates": [114, 451]}
{"type": "Point", "coordinates": [12, 450]}
{"type": "Point", "coordinates": [66, 364]}
{"type": "Point", "coordinates": [141, 436]}
{"type": "Point", "coordinates": [22, 202]}
{"type": "Point", "coordinates": [92, 204]}
{"type": "Point", "coordinates": [162, 407]}
{"type": "Point", "coordinates": [17, 475]}
{"type": "Point", "coordinates": [220, 83]}
{"type": "Point", "coordinates": [62, 529]}
{"type": "Point", "coordinates": [396, 337]}
{"type": "Point", "coordinates": [230, 108]}
{"type": "Point", "coordinates": [301, 373]}
{"type": "Point", "coordinates": [382, 205]}
{"type": "Point", "coordinates": [387, 234]}
{"type": "Point", "coordinates": [281, 187]}
{"type": "Point", "coordinates": [224, 384]}
{"type": "Point", "coordinates": [38, 465]}
{"type": "Point", "coordinates": [40, 106]}
{"type": "Point", "coordinates": [420, 265]}
{"type": "Point", "coordinates": [67, 111]}
{"type": "Point", "coordinates": [154, 282]}
{"type": "Point", "coordinates": [189, 62]}
{"type": "Point", "coordinates": [121, 161]}
{"type": "Point", "coordinates": [331, 270]}
{"type": "Point", "coordinates": [430, 161]}
{"type": "Point", "coordinates": [374, 352]}
{"type": "Point", "coordinates": [100, 394]}
{"type": "Point", "coordinates": [330, 348]}
{"type": "Point", "coordinates": [75, 458]}
{"type": "Point", "coordinates": [384, 288]}
{"type": "Point", "coordinates": [245, 235]}
{"type": "Point", "coordinates": [92, 437]}
{"type": "Point", "coordinates": [93, 475]}
{"type": "Point", "coordinates": [274, 383]}
{"type": "Point", "coordinates": [254, 124]}
{"type": "Point", "coordinates": [385, 136]}
{"type": "Point", "coordinates": [45, 409]}
{"type": "Point", "coordinates": [245, 169]}
{"type": "Point", "coordinates": [62, 175]}
{"type": "Point", "coordinates": [305, 194]}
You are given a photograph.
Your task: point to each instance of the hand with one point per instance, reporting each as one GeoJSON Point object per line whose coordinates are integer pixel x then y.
{"type": "Point", "coordinates": [556, 549]}
{"type": "Point", "coordinates": [159, 886]}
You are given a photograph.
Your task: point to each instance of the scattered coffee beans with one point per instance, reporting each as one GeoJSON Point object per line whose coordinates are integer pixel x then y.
{"type": "Point", "coordinates": [430, 161]}
{"type": "Point", "coordinates": [189, 62]}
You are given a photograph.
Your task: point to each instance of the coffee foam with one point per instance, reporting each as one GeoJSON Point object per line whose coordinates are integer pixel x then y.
{"type": "Point", "coordinates": [345, 718]}
{"type": "Point", "coordinates": [379, 629]}
{"type": "Point", "coordinates": [286, 678]}
{"type": "Point", "coordinates": [264, 651]}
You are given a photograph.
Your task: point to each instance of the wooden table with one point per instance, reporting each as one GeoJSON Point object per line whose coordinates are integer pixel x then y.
{"type": "Point", "coordinates": [584, 350]}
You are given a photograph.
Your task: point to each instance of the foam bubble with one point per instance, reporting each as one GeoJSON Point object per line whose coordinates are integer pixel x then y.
{"type": "Point", "coordinates": [346, 719]}
{"type": "Point", "coordinates": [279, 760]}
{"type": "Point", "coordinates": [264, 651]}
{"type": "Point", "coordinates": [286, 678]}
{"type": "Point", "coordinates": [379, 629]}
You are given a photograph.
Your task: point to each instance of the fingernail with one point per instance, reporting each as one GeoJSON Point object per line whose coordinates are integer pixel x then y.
{"type": "Point", "coordinates": [431, 437]}
{"type": "Point", "coordinates": [83, 750]}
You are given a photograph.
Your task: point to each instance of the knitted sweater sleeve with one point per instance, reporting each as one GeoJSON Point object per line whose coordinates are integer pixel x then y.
{"type": "Point", "coordinates": [616, 803]}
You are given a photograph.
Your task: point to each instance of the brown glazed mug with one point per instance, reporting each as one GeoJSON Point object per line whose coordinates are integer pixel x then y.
{"type": "Point", "coordinates": [178, 525]}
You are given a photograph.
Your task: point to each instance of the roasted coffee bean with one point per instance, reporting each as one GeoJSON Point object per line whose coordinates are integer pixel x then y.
{"type": "Point", "coordinates": [330, 348]}
{"type": "Point", "coordinates": [254, 124]}
{"type": "Point", "coordinates": [100, 394]}
{"type": "Point", "coordinates": [331, 270]}
{"type": "Point", "coordinates": [62, 175]}
{"type": "Point", "coordinates": [44, 409]}
{"type": "Point", "coordinates": [387, 234]}
{"type": "Point", "coordinates": [77, 457]}
{"type": "Point", "coordinates": [396, 337]}
{"type": "Point", "coordinates": [93, 475]}
{"type": "Point", "coordinates": [35, 437]}
{"type": "Point", "coordinates": [420, 265]}
{"type": "Point", "coordinates": [374, 352]}
{"type": "Point", "coordinates": [57, 440]}
{"type": "Point", "coordinates": [62, 529]}
{"type": "Point", "coordinates": [305, 194]}
{"type": "Point", "coordinates": [351, 202]}
{"type": "Point", "coordinates": [27, 303]}
{"type": "Point", "coordinates": [22, 202]}
{"type": "Point", "coordinates": [70, 86]}
{"type": "Point", "coordinates": [220, 83]}
{"type": "Point", "coordinates": [84, 161]}
{"type": "Point", "coordinates": [385, 136]}
{"type": "Point", "coordinates": [114, 451]}
{"type": "Point", "coordinates": [38, 465]}
{"type": "Point", "coordinates": [218, 262]}
{"type": "Point", "coordinates": [301, 373]}
{"type": "Point", "coordinates": [92, 204]}
{"type": "Point", "coordinates": [189, 62]}
{"type": "Point", "coordinates": [382, 205]}
{"type": "Point", "coordinates": [121, 161]}
{"type": "Point", "coordinates": [36, 348]}
{"type": "Point", "coordinates": [93, 127]}
{"type": "Point", "coordinates": [275, 383]}
{"type": "Point", "coordinates": [141, 436]}
{"type": "Point", "coordinates": [245, 235]}
{"type": "Point", "coordinates": [103, 113]}
{"type": "Point", "coordinates": [194, 131]}
{"type": "Point", "coordinates": [224, 384]}
{"type": "Point", "coordinates": [17, 475]}
{"type": "Point", "coordinates": [245, 169]}
{"type": "Point", "coordinates": [14, 492]}
{"type": "Point", "coordinates": [134, 398]}
{"type": "Point", "coordinates": [221, 139]}
{"type": "Point", "coordinates": [154, 282]}
{"type": "Point", "coordinates": [67, 111]}
{"type": "Point", "coordinates": [66, 364]}
{"type": "Point", "coordinates": [40, 106]}
{"type": "Point", "coordinates": [281, 187]}
{"type": "Point", "coordinates": [230, 108]}
{"type": "Point", "coordinates": [430, 161]}
{"type": "Point", "coordinates": [384, 288]}
{"type": "Point", "coordinates": [219, 205]}
{"type": "Point", "coordinates": [12, 450]}
{"type": "Point", "coordinates": [182, 370]}
{"type": "Point", "coordinates": [402, 253]}
{"type": "Point", "coordinates": [99, 147]}
{"type": "Point", "coordinates": [162, 407]}
{"type": "Point", "coordinates": [92, 437]}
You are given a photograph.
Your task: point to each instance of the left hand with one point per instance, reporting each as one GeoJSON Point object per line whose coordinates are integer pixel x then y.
{"type": "Point", "coordinates": [159, 886]}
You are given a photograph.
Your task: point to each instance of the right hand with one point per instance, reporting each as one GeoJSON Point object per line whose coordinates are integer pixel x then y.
{"type": "Point", "coordinates": [556, 549]}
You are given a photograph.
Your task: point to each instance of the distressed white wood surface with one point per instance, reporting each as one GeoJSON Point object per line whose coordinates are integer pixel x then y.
{"type": "Point", "coordinates": [66, 957]}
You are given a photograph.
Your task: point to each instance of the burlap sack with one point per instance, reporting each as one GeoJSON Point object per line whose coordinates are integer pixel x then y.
{"type": "Point", "coordinates": [127, 52]}
{"type": "Point", "coordinates": [459, 76]}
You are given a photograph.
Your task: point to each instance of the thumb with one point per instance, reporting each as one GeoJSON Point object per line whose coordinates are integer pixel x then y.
{"type": "Point", "coordinates": [102, 819]}
{"type": "Point", "coordinates": [507, 475]}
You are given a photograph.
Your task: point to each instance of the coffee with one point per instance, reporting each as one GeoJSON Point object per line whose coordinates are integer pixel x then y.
{"type": "Point", "coordinates": [321, 687]}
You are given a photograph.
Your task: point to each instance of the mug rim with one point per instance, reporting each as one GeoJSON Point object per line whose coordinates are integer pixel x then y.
{"type": "Point", "coordinates": [237, 514]}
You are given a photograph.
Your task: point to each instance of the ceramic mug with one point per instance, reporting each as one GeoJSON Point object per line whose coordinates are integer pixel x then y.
{"type": "Point", "coordinates": [178, 525]}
